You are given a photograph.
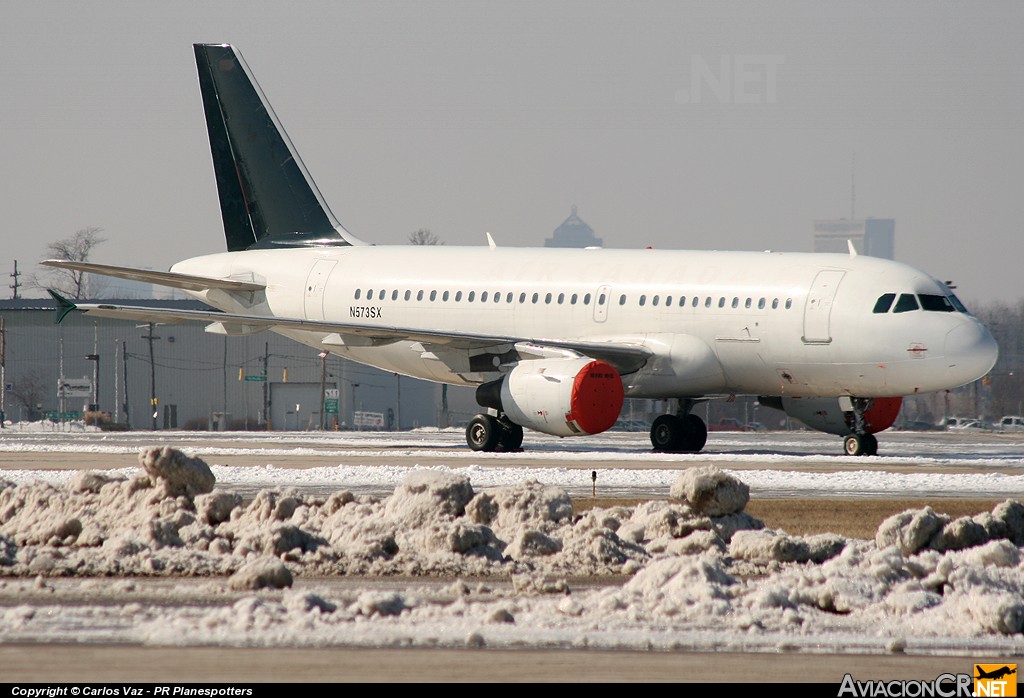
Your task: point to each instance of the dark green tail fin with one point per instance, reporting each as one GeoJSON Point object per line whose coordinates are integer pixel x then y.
{"type": "Point", "coordinates": [267, 198]}
{"type": "Point", "coordinates": [64, 306]}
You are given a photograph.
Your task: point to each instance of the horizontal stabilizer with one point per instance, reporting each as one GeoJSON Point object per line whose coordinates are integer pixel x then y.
{"type": "Point", "coordinates": [187, 282]}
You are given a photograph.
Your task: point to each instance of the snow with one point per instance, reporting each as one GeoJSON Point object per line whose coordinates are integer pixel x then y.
{"type": "Point", "coordinates": [279, 567]}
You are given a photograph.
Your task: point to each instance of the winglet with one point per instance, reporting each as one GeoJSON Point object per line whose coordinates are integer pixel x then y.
{"type": "Point", "coordinates": [490, 242]}
{"type": "Point", "coordinates": [853, 250]}
{"type": "Point", "coordinates": [64, 306]}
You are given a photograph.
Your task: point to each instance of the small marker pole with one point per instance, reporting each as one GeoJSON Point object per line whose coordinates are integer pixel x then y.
{"type": "Point", "coordinates": [593, 480]}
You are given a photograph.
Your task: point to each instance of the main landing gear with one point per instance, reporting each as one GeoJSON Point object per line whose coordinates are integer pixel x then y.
{"type": "Point", "coordinates": [487, 433]}
{"type": "Point", "coordinates": [682, 433]}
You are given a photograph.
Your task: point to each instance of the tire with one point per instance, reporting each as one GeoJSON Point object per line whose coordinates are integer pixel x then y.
{"type": "Point", "coordinates": [483, 433]}
{"type": "Point", "coordinates": [511, 437]}
{"type": "Point", "coordinates": [666, 433]}
{"type": "Point", "coordinates": [856, 445]}
{"type": "Point", "coordinates": [695, 434]}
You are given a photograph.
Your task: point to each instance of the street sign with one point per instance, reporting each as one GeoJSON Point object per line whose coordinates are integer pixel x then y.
{"type": "Point", "coordinates": [331, 394]}
{"type": "Point", "coordinates": [258, 379]}
{"type": "Point", "coordinates": [331, 405]}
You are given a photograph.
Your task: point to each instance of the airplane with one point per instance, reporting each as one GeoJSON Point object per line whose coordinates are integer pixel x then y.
{"type": "Point", "coordinates": [995, 673]}
{"type": "Point", "coordinates": [554, 340]}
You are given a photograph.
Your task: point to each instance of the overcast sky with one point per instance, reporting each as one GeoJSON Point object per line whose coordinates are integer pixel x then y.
{"type": "Point", "coordinates": [720, 125]}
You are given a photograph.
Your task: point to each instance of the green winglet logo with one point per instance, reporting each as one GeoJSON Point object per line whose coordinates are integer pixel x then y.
{"type": "Point", "coordinates": [64, 306]}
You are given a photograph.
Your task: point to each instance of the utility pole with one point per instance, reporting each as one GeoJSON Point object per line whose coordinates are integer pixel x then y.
{"type": "Point", "coordinates": [152, 373]}
{"type": "Point", "coordinates": [3, 372]}
{"type": "Point", "coordinates": [15, 285]}
{"type": "Point", "coordinates": [124, 373]}
{"type": "Point", "coordinates": [266, 384]}
{"type": "Point", "coordinates": [323, 390]}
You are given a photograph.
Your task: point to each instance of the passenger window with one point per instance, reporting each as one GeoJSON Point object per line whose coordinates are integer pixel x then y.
{"type": "Point", "coordinates": [357, 294]}
{"type": "Point", "coordinates": [458, 295]}
{"type": "Point", "coordinates": [522, 297]}
{"type": "Point", "coordinates": [547, 298]}
{"type": "Point", "coordinates": [394, 295]}
{"type": "Point", "coordinates": [471, 296]}
{"type": "Point", "coordinates": [735, 302]}
{"type": "Point", "coordinates": [572, 300]}
{"type": "Point", "coordinates": [748, 303]}
{"type": "Point", "coordinates": [535, 297]}
{"type": "Point", "coordinates": [707, 302]}
{"type": "Point", "coordinates": [586, 299]}
{"type": "Point", "coordinates": [561, 298]}
{"type": "Point", "coordinates": [775, 303]}
{"type": "Point", "coordinates": [419, 295]}
{"type": "Point", "coordinates": [789, 303]}
{"type": "Point", "coordinates": [622, 299]}
{"type": "Point", "coordinates": [381, 294]}
{"type": "Point", "coordinates": [884, 302]}
{"type": "Point", "coordinates": [369, 295]}
{"type": "Point", "coordinates": [444, 297]}
{"type": "Point", "coordinates": [483, 297]}
{"type": "Point", "coordinates": [695, 301]}
{"type": "Point", "coordinates": [433, 296]}
{"type": "Point", "coordinates": [408, 295]}
{"type": "Point", "coordinates": [721, 302]}
{"type": "Point", "coordinates": [760, 304]}
{"type": "Point", "coordinates": [906, 303]}
{"type": "Point", "coordinates": [643, 300]}
{"type": "Point", "coordinates": [508, 297]}
{"type": "Point", "coordinates": [654, 301]}
{"type": "Point", "coordinates": [668, 301]}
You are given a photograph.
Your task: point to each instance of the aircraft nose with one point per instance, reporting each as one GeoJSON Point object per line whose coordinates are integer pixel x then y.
{"type": "Point", "coordinates": [971, 351]}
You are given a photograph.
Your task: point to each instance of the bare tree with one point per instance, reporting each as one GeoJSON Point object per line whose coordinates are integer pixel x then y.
{"type": "Point", "coordinates": [29, 391]}
{"type": "Point", "coordinates": [76, 248]}
{"type": "Point", "coordinates": [423, 236]}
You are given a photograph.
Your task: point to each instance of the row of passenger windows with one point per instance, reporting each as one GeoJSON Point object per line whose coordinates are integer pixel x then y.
{"type": "Point", "coordinates": [922, 301]}
{"type": "Point", "coordinates": [573, 299]}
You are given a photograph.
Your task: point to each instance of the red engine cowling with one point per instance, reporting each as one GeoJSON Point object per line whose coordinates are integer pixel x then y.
{"type": "Point", "coordinates": [563, 397]}
{"type": "Point", "coordinates": [829, 415]}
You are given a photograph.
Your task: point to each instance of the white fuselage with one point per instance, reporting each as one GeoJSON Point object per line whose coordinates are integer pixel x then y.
{"type": "Point", "coordinates": [801, 325]}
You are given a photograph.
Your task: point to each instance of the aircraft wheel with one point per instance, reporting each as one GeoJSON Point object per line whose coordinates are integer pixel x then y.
{"type": "Point", "coordinates": [860, 445]}
{"type": "Point", "coordinates": [511, 438]}
{"type": "Point", "coordinates": [666, 433]}
{"type": "Point", "coordinates": [695, 434]}
{"type": "Point", "coordinates": [483, 433]}
{"type": "Point", "coordinates": [872, 445]}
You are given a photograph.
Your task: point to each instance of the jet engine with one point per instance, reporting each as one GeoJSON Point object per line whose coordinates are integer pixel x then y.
{"type": "Point", "coordinates": [837, 415]}
{"type": "Point", "coordinates": [562, 397]}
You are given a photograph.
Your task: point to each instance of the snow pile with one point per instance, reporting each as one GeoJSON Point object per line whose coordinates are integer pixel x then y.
{"type": "Point", "coordinates": [168, 519]}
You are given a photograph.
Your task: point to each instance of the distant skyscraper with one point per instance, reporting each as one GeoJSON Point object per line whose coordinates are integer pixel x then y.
{"type": "Point", "coordinates": [573, 233]}
{"type": "Point", "coordinates": [875, 237]}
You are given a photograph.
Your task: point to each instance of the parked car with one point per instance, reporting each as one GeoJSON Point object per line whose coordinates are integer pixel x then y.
{"type": "Point", "coordinates": [1011, 423]}
{"type": "Point", "coordinates": [965, 424]}
{"type": "Point", "coordinates": [729, 424]}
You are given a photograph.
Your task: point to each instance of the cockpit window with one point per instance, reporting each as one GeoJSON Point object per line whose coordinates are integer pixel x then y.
{"type": "Point", "coordinates": [906, 303]}
{"type": "Point", "coordinates": [933, 303]}
{"type": "Point", "coordinates": [884, 302]}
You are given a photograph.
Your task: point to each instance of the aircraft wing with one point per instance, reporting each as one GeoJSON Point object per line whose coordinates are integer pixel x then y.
{"type": "Point", "coordinates": [625, 357]}
{"type": "Point", "coordinates": [187, 282]}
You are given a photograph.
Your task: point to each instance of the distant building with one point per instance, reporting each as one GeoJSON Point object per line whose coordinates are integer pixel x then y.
{"type": "Point", "coordinates": [875, 237]}
{"type": "Point", "coordinates": [573, 232]}
{"type": "Point", "coordinates": [201, 378]}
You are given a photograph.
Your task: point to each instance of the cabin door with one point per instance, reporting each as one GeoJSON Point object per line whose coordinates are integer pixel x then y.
{"type": "Point", "coordinates": [818, 309]}
{"type": "Point", "coordinates": [316, 282]}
